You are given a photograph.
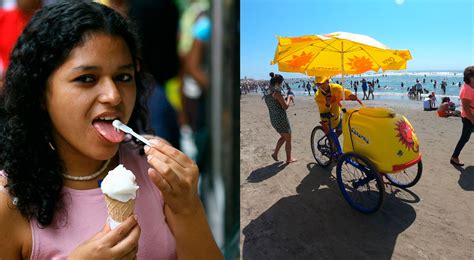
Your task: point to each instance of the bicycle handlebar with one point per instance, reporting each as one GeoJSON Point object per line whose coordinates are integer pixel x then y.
{"type": "Point", "coordinates": [358, 100]}
{"type": "Point", "coordinates": [327, 115]}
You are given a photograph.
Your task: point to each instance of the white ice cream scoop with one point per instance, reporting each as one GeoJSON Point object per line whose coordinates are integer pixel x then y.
{"type": "Point", "coordinates": [120, 184]}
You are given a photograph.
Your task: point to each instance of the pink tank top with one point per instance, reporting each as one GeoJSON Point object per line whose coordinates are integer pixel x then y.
{"type": "Point", "coordinates": [467, 92]}
{"type": "Point", "coordinates": [85, 214]}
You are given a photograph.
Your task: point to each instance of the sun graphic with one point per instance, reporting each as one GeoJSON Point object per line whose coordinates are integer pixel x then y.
{"type": "Point", "coordinates": [301, 60]}
{"type": "Point", "coordinates": [282, 50]}
{"type": "Point", "coordinates": [360, 65]}
{"type": "Point", "coordinates": [405, 135]}
{"type": "Point", "coordinates": [403, 54]}
{"type": "Point", "coordinates": [301, 39]}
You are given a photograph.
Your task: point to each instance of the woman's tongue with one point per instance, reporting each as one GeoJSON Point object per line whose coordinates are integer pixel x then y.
{"type": "Point", "coordinates": [107, 130]}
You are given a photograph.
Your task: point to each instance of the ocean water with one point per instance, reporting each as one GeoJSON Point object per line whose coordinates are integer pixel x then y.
{"type": "Point", "coordinates": [390, 83]}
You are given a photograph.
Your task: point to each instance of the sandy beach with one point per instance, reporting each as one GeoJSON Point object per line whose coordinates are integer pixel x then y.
{"type": "Point", "coordinates": [296, 211]}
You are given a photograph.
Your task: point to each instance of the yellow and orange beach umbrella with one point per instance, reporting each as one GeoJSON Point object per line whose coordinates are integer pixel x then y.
{"type": "Point", "coordinates": [337, 53]}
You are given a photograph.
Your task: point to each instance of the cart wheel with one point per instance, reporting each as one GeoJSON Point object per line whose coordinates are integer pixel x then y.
{"type": "Point", "coordinates": [321, 146]}
{"type": "Point", "coordinates": [360, 183]}
{"type": "Point", "coordinates": [406, 178]}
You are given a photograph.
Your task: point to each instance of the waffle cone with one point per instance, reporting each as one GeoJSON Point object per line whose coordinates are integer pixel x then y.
{"type": "Point", "coordinates": [118, 210]}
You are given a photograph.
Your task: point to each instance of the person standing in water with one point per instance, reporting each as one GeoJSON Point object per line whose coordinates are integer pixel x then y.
{"type": "Point", "coordinates": [364, 89]}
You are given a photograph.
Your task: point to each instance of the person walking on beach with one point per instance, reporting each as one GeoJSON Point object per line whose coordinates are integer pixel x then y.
{"type": "Point", "coordinates": [364, 89]}
{"type": "Point", "coordinates": [467, 114]}
{"type": "Point", "coordinates": [290, 93]}
{"type": "Point", "coordinates": [277, 107]}
{"type": "Point", "coordinates": [327, 99]}
{"type": "Point", "coordinates": [355, 87]}
{"type": "Point", "coordinates": [371, 90]}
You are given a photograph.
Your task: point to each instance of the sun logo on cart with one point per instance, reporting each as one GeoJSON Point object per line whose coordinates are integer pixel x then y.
{"type": "Point", "coordinates": [405, 135]}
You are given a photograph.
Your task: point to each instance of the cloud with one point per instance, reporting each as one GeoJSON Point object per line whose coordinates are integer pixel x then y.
{"type": "Point", "coordinates": [399, 2]}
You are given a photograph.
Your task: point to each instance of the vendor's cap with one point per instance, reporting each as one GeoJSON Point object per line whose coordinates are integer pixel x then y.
{"type": "Point", "coordinates": [321, 79]}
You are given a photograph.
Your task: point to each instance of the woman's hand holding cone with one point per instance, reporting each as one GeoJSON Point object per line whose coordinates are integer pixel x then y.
{"type": "Point", "coordinates": [120, 243]}
{"type": "Point", "coordinates": [176, 175]}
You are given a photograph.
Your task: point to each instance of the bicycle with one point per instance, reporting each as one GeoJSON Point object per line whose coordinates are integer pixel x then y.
{"type": "Point", "coordinates": [359, 179]}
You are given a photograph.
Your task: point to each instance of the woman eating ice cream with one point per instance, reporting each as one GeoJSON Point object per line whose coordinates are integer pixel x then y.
{"type": "Point", "coordinates": [74, 70]}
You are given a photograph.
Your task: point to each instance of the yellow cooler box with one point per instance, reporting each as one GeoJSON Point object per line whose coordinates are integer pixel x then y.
{"type": "Point", "coordinates": [386, 138]}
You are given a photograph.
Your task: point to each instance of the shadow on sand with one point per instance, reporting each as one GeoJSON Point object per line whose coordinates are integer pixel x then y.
{"type": "Point", "coordinates": [318, 223]}
{"type": "Point", "coordinates": [466, 179]}
{"type": "Point", "coordinates": [266, 172]}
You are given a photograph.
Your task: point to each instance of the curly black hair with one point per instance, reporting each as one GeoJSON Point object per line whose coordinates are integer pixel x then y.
{"type": "Point", "coordinates": [33, 169]}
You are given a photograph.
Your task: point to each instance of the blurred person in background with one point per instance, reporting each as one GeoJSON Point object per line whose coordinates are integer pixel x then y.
{"type": "Point", "coordinates": [157, 22]}
{"type": "Point", "coordinates": [196, 85]}
{"type": "Point", "coordinates": [12, 23]}
{"type": "Point", "coordinates": [447, 108]}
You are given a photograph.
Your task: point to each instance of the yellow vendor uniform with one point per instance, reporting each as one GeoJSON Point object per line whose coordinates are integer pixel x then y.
{"type": "Point", "coordinates": [335, 91]}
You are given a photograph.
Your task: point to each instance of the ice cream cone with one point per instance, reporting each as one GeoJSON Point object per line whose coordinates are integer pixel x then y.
{"type": "Point", "coordinates": [120, 190]}
{"type": "Point", "coordinates": [119, 211]}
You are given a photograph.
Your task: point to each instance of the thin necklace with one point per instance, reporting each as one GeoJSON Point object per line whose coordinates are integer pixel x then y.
{"type": "Point", "coordinates": [90, 177]}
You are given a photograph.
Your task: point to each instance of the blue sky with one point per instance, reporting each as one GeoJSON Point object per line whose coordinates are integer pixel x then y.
{"type": "Point", "coordinates": [438, 33]}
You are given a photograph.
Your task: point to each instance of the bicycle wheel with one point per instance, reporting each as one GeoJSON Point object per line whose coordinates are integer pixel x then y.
{"type": "Point", "coordinates": [360, 183]}
{"type": "Point", "coordinates": [321, 146]}
{"type": "Point", "coordinates": [406, 178]}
